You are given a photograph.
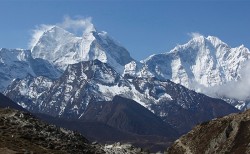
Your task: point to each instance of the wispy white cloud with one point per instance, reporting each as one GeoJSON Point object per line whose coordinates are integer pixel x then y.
{"type": "Point", "coordinates": [194, 34]}
{"type": "Point", "coordinates": [238, 89]}
{"type": "Point", "coordinates": [77, 24]}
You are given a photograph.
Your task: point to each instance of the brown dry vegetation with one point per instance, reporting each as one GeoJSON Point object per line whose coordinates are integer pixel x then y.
{"type": "Point", "coordinates": [230, 134]}
{"type": "Point", "coordinates": [22, 133]}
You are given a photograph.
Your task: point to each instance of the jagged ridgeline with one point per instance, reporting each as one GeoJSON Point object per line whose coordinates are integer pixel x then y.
{"type": "Point", "coordinates": [94, 81]}
{"type": "Point", "coordinates": [93, 85]}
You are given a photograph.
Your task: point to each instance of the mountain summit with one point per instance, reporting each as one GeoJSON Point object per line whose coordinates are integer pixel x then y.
{"type": "Point", "coordinates": [203, 64]}
{"type": "Point", "coordinates": [62, 48]}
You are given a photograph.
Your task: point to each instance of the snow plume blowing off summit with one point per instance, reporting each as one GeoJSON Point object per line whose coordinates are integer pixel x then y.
{"type": "Point", "coordinates": [76, 40]}
{"type": "Point", "coordinates": [77, 26]}
{"type": "Point", "coordinates": [194, 34]}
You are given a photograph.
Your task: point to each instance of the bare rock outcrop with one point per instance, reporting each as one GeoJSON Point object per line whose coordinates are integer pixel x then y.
{"type": "Point", "coordinates": [230, 134]}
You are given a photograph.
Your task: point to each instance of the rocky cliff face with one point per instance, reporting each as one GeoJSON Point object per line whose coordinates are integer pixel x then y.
{"type": "Point", "coordinates": [230, 134]}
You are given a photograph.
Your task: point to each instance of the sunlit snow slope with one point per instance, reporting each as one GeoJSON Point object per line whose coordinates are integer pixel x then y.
{"type": "Point", "coordinates": [205, 64]}
{"type": "Point", "coordinates": [61, 48]}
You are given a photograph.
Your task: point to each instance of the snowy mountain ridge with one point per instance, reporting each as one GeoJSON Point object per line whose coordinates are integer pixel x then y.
{"type": "Point", "coordinates": [62, 48]}
{"type": "Point", "coordinates": [203, 64]}
{"type": "Point", "coordinates": [93, 81]}
{"type": "Point", "coordinates": [81, 83]}
{"type": "Point", "coordinates": [18, 63]}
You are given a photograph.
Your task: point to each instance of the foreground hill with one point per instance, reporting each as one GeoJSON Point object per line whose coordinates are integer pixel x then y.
{"type": "Point", "coordinates": [230, 134]}
{"type": "Point", "coordinates": [21, 132]}
{"type": "Point", "coordinates": [121, 120]}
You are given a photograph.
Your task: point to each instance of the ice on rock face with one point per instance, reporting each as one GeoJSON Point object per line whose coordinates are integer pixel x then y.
{"type": "Point", "coordinates": [62, 48]}
{"type": "Point", "coordinates": [130, 68]}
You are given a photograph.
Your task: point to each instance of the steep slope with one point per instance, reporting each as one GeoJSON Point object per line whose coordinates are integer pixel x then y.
{"type": "Point", "coordinates": [18, 63]}
{"type": "Point", "coordinates": [5, 102]}
{"type": "Point", "coordinates": [128, 115]}
{"type": "Point", "coordinates": [30, 91]}
{"type": "Point", "coordinates": [94, 81]}
{"type": "Point", "coordinates": [128, 121]}
{"type": "Point", "coordinates": [202, 64]}
{"type": "Point", "coordinates": [10, 134]}
{"type": "Point", "coordinates": [62, 48]}
{"type": "Point", "coordinates": [186, 108]}
{"type": "Point", "coordinates": [22, 133]}
{"type": "Point", "coordinates": [230, 134]}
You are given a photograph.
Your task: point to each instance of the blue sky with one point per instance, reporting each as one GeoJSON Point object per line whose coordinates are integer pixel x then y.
{"type": "Point", "coordinates": [144, 27]}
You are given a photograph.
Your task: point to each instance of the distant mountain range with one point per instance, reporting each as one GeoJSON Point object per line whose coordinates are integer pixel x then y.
{"type": "Point", "coordinates": [204, 64]}
{"type": "Point", "coordinates": [92, 81]}
{"type": "Point", "coordinates": [87, 82]}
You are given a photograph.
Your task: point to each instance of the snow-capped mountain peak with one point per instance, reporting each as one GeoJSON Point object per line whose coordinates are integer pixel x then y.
{"type": "Point", "coordinates": [62, 48]}
{"type": "Point", "coordinates": [202, 41]}
{"type": "Point", "coordinates": [199, 39]}
{"type": "Point", "coordinates": [53, 44]}
{"type": "Point", "coordinates": [202, 64]}
{"type": "Point", "coordinates": [90, 28]}
{"type": "Point", "coordinates": [215, 41]}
